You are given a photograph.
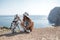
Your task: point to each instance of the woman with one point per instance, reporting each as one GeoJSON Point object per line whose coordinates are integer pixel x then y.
{"type": "Point", "coordinates": [27, 23]}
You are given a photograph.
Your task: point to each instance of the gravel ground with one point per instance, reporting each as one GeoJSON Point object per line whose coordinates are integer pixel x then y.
{"type": "Point", "coordinates": [50, 33]}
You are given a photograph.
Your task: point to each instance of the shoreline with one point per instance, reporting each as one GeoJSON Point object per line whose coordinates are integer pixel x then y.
{"type": "Point", "coordinates": [49, 33]}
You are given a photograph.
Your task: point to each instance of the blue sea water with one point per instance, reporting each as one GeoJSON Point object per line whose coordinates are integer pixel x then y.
{"type": "Point", "coordinates": [40, 21]}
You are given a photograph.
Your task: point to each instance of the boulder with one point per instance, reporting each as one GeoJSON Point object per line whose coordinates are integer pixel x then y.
{"type": "Point", "coordinates": [54, 16]}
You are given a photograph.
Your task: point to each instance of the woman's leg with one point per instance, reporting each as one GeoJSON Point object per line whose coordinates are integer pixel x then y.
{"type": "Point", "coordinates": [22, 24]}
{"type": "Point", "coordinates": [31, 27]}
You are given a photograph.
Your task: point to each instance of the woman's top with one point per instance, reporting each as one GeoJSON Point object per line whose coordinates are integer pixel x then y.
{"type": "Point", "coordinates": [26, 23]}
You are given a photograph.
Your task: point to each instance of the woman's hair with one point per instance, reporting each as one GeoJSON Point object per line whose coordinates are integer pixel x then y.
{"type": "Point", "coordinates": [27, 18]}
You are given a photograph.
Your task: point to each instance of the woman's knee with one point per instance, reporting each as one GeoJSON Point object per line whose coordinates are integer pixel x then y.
{"type": "Point", "coordinates": [31, 27]}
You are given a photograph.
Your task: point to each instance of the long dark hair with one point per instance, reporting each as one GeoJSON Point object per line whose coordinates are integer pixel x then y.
{"type": "Point", "coordinates": [27, 18]}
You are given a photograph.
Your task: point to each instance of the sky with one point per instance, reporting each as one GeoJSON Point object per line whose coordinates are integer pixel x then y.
{"type": "Point", "coordinates": [33, 7]}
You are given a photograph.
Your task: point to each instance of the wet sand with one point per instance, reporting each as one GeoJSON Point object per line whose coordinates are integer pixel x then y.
{"type": "Point", "coordinates": [50, 33]}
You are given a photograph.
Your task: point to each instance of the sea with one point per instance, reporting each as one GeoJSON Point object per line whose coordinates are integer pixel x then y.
{"type": "Point", "coordinates": [40, 21]}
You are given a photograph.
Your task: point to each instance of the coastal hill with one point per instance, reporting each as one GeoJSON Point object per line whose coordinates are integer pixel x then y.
{"type": "Point", "coordinates": [49, 33]}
